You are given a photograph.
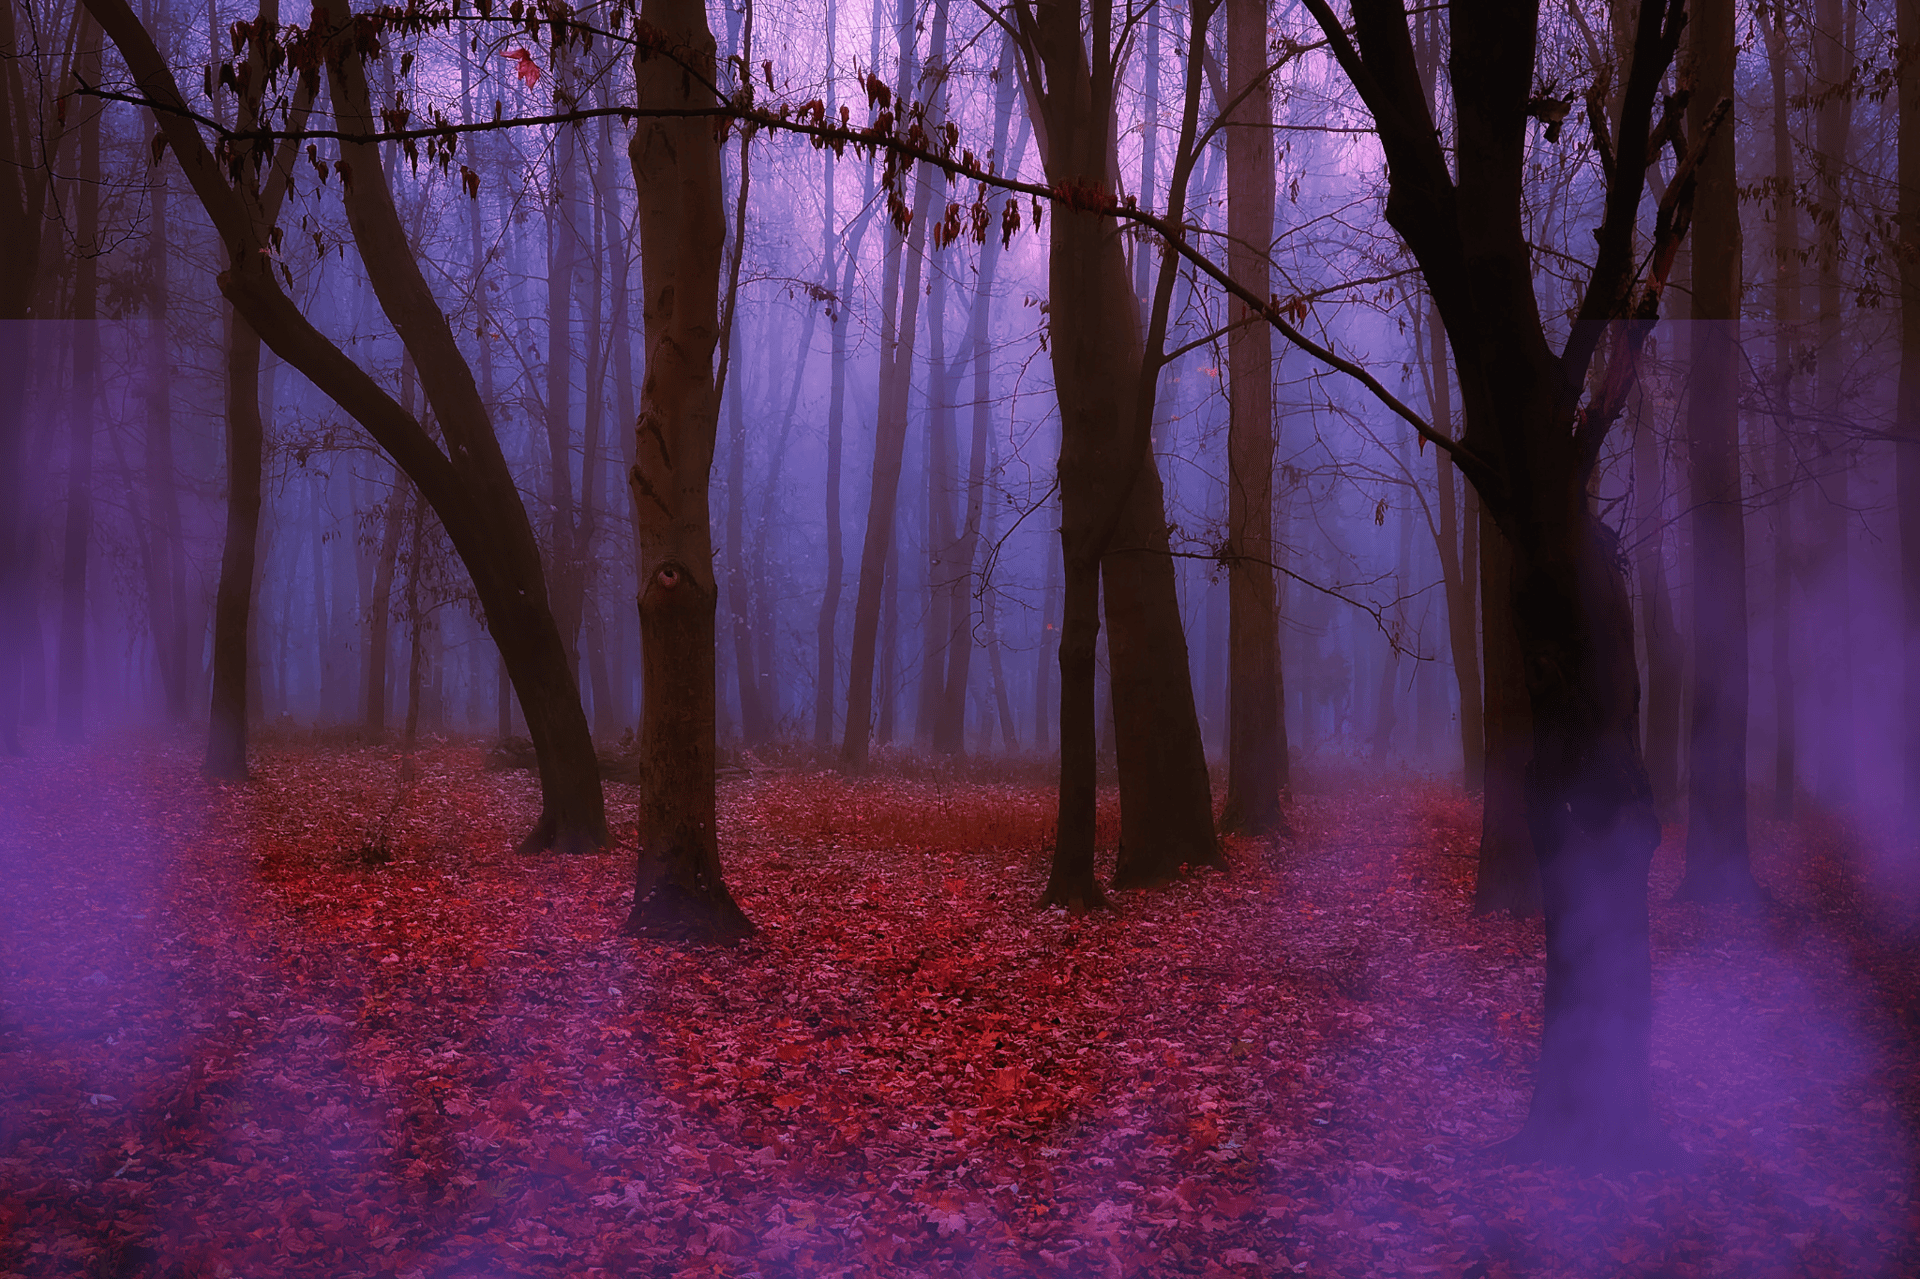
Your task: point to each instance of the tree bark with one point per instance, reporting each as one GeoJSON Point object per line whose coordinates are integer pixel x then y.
{"type": "Point", "coordinates": [1256, 723]}
{"type": "Point", "coordinates": [1456, 569]}
{"type": "Point", "coordinates": [679, 892]}
{"type": "Point", "coordinates": [1718, 865]}
{"type": "Point", "coordinates": [1507, 878]}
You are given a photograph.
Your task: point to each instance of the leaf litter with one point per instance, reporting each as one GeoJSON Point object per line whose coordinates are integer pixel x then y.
{"type": "Point", "coordinates": [232, 1043]}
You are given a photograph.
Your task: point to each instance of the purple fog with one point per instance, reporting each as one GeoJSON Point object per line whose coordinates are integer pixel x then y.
{"type": "Point", "coordinates": [1206, 637]}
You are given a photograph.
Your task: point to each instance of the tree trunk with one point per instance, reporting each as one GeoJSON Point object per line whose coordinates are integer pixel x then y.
{"type": "Point", "coordinates": [86, 376]}
{"type": "Point", "coordinates": [1456, 569]}
{"type": "Point", "coordinates": [1832, 660]}
{"type": "Point", "coordinates": [167, 565]}
{"type": "Point", "coordinates": [1664, 663]}
{"type": "Point", "coordinates": [227, 717]}
{"type": "Point", "coordinates": [1166, 802]}
{"type": "Point", "coordinates": [1256, 722]}
{"type": "Point", "coordinates": [890, 437]}
{"type": "Point", "coordinates": [1113, 522]}
{"type": "Point", "coordinates": [678, 889]}
{"type": "Point", "coordinates": [416, 625]}
{"type": "Point", "coordinates": [1718, 866]}
{"type": "Point", "coordinates": [948, 736]}
{"type": "Point", "coordinates": [1508, 877]}
{"type": "Point", "coordinates": [1907, 412]}
{"type": "Point", "coordinates": [567, 572]}
{"type": "Point", "coordinates": [380, 608]}
{"type": "Point", "coordinates": [1786, 322]}
{"type": "Point", "coordinates": [753, 718]}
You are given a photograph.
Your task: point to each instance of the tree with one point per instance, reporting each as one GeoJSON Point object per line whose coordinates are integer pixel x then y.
{"type": "Point", "coordinates": [1256, 721]}
{"type": "Point", "coordinates": [467, 483]}
{"type": "Point", "coordinates": [259, 202]}
{"type": "Point", "coordinates": [1112, 524]}
{"type": "Point", "coordinates": [1907, 408]}
{"type": "Point", "coordinates": [1531, 437]}
{"type": "Point", "coordinates": [30, 132]}
{"type": "Point", "coordinates": [906, 240]}
{"type": "Point", "coordinates": [678, 889]}
{"type": "Point", "coordinates": [84, 401]}
{"type": "Point", "coordinates": [1718, 867]}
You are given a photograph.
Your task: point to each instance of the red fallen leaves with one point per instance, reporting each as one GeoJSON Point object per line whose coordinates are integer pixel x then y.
{"type": "Point", "coordinates": [451, 1065]}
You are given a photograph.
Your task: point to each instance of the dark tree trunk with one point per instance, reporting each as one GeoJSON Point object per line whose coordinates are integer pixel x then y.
{"type": "Point", "coordinates": [1166, 802]}
{"type": "Point", "coordinates": [167, 564]}
{"type": "Point", "coordinates": [1786, 322]}
{"type": "Point", "coordinates": [227, 717]}
{"type": "Point", "coordinates": [1831, 663]}
{"type": "Point", "coordinates": [86, 375]}
{"type": "Point", "coordinates": [678, 889]}
{"type": "Point", "coordinates": [1718, 866]}
{"type": "Point", "coordinates": [1113, 522]}
{"type": "Point", "coordinates": [1664, 664]}
{"type": "Point", "coordinates": [25, 178]}
{"type": "Point", "coordinates": [1508, 876]}
{"type": "Point", "coordinates": [1907, 412]}
{"type": "Point", "coordinates": [1457, 568]}
{"type": "Point", "coordinates": [1256, 719]}
{"type": "Point", "coordinates": [1535, 420]}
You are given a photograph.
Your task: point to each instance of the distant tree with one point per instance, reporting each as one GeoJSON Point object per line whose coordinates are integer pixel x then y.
{"type": "Point", "coordinates": [1907, 409]}
{"type": "Point", "coordinates": [31, 131]}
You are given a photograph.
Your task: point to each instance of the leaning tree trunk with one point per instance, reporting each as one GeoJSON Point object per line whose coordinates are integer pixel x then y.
{"type": "Point", "coordinates": [1718, 865]}
{"type": "Point", "coordinates": [678, 889]}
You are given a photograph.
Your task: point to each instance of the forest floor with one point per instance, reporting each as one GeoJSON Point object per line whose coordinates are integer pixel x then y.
{"type": "Point", "coordinates": [233, 1041]}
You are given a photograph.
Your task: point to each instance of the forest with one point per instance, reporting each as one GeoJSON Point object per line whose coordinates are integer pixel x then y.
{"type": "Point", "coordinates": [1338, 692]}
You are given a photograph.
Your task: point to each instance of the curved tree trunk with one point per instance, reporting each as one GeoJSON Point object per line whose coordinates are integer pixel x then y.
{"type": "Point", "coordinates": [678, 889]}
